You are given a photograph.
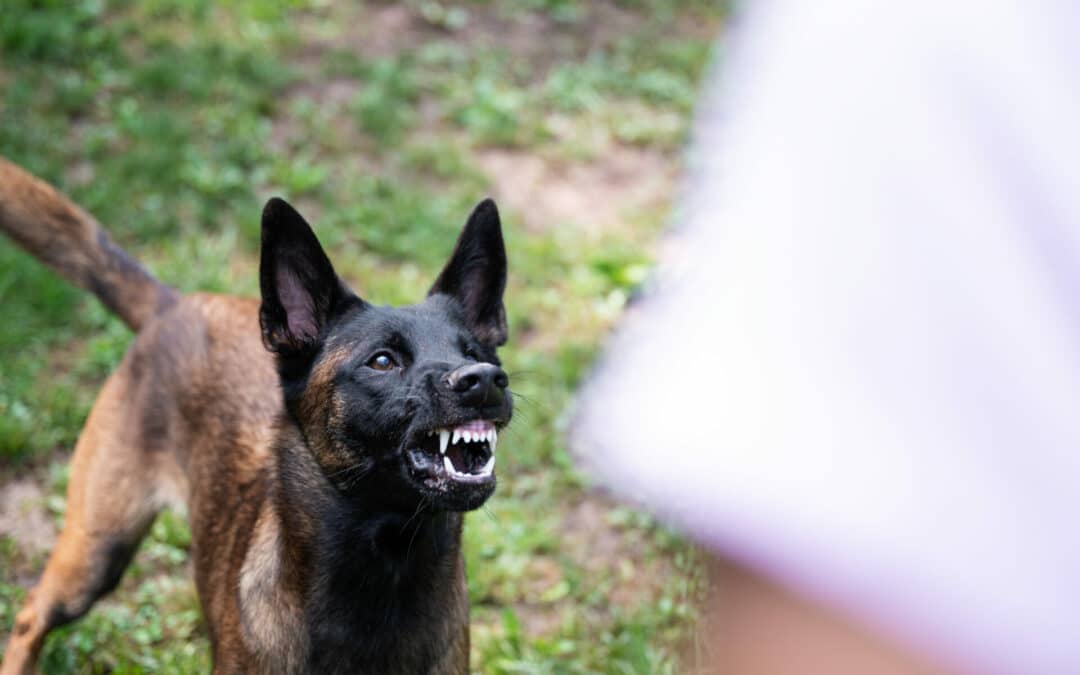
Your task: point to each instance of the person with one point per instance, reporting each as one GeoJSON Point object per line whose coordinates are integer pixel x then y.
{"type": "Point", "coordinates": [856, 379]}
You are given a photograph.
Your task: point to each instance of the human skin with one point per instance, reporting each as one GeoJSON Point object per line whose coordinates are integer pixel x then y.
{"type": "Point", "coordinates": [752, 626]}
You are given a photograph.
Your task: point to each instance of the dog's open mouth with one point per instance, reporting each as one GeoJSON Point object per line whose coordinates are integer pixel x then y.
{"type": "Point", "coordinates": [464, 453]}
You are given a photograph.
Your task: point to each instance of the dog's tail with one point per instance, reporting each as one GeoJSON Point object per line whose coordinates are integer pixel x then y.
{"type": "Point", "coordinates": [70, 241]}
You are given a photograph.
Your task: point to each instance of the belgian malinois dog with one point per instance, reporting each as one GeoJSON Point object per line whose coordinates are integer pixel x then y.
{"type": "Point", "coordinates": [324, 447]}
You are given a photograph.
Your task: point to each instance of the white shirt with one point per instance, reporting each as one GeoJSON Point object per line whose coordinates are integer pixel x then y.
{"type": "Point", "coordinates": [861, 373]}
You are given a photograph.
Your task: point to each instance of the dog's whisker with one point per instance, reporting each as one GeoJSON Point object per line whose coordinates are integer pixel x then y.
{"type": "Point", "coordinates": [351, 467]}
{"type": "Point", "coordinates": [355, 480]}
{"type": "Point", "coordinates": [351, 476]}
{"type": "Point", "coordinates": [532, 402]}
{"type": "Point", "coordinates": [419, 508]}
{"type": "Point", "coordinates": [544, 375]}
{"type": "Point", "coordinates": [347, 470]}
{"type": "Point", "coordinates": [490, 514]}
{"type": "Point", "coordinates": [513, 433]}
{"type": "Point", "coordinates": [408, 549]}
{"type": "Point", "coordinates": [522, 414]}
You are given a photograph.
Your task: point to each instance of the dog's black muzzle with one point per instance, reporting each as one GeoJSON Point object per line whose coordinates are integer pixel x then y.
{"type": "Point", "coordinates": [450, 455]}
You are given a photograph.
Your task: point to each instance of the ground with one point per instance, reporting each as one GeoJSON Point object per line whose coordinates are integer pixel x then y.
{"type": "Point", "coordinates": [174, 120]}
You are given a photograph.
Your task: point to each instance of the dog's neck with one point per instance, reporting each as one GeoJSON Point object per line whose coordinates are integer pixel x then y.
{"type": "Point", "coordinates": [369, 580]}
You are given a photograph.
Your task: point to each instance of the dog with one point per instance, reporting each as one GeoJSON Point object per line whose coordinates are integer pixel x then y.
{"type": "Point", "coordinates": [324, 448]}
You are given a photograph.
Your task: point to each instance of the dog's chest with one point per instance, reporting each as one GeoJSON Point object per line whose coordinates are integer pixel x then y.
{"type": "Point", "coordinates": [356, 613]}
{"type": "Point", "coordinates": [390, 616]}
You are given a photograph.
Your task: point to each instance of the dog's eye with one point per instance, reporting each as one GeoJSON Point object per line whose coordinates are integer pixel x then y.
{"type": "Point", "coordinates": [382, 361]}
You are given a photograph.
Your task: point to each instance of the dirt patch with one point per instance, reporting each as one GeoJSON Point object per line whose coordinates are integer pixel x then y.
{"type": "Point", "coordinates": [540, 619]}
{"type": "Point", "coordinates": [331, 97]}
{"type": "Point", "coordinates": [615, 560]}
{"type": "Point", "coordinates": [24, 517]}
{"type": "Point", "coordinates": [384, 29]}
{"type": "Point", "coordinates": [335, 92]}
{"type": "Point", "coordinates": [594, 195]}
{"type": "Point", "coordinates": [612, 554]}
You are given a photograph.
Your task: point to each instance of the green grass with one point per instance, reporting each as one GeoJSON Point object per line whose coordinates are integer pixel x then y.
{"type": "Point", "coordinates": [174, 120]}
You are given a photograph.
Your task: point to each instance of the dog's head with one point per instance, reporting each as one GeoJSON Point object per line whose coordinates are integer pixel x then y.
{"type": "Point", "coordinates": [402, 405]}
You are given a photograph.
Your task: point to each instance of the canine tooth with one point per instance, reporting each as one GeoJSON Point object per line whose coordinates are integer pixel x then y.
{"type": "Point", "coordinates": [489, 467]}
{"type": "Point", "coordinates": [444, 440]}
{"type": "Point", "coordinates": [493, 440]}
{"type": "Point", "coordinates": [448, 465]}
{"type": "Point", "coordinates": [456, 437]}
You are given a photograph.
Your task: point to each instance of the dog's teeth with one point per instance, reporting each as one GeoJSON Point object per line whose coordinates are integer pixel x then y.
{"type": "Point", "coordinates": [489, 467]}
{"type": "Point", "coordinates": [448, 465]}
{"type": "Point", "coordinates": [444, 440]}
{"type": "Point", "coordinates": [493, 440]}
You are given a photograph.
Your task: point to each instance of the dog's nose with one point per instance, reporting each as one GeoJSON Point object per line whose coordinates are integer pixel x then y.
{"type": "Point", "coordinates": [478, 383]}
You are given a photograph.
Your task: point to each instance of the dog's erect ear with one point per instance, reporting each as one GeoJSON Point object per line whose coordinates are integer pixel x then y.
{"type": "Point", "coordinates": [476, 274]}
{"type": "Point", "coordinates": [300, 291]}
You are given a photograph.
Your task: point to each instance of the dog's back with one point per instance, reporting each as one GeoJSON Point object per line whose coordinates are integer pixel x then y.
{"type": "Point", "coordinates": [196, 379]}
{"type": "Point", "coordinates": [196, 361]}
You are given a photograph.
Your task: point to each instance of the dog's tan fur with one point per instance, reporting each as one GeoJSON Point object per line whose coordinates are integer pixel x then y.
{"type": "Point", "coordinates": [188, 417]}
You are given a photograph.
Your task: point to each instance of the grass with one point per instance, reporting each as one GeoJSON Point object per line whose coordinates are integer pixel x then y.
{"type": "Point", "coordinates": [173, 120]}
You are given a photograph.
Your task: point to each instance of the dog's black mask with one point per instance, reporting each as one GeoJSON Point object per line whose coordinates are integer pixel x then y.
{"type": "Point", "coordinates": [401, 405]}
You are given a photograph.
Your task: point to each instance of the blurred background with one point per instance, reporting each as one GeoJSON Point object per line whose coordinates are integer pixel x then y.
{"type": "Point", "coordinates": [174, 120]}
